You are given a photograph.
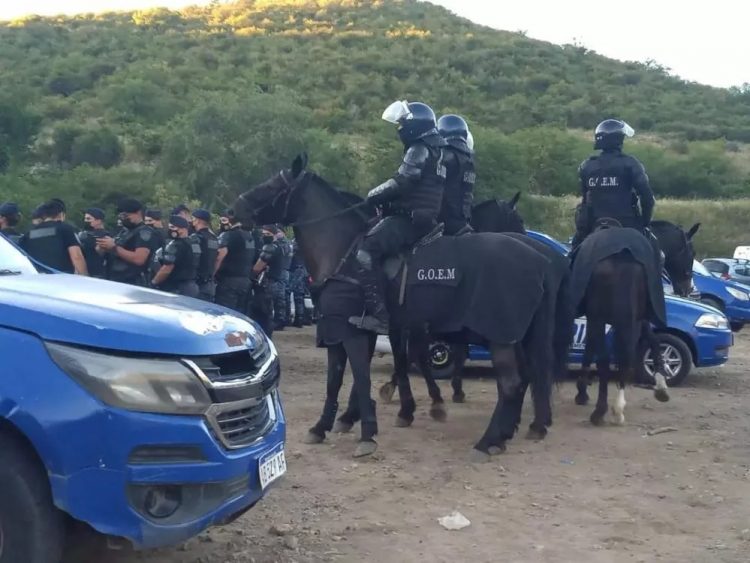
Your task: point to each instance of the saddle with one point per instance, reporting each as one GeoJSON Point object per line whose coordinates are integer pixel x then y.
{"type": "Point", "coordinates": [394, 264]}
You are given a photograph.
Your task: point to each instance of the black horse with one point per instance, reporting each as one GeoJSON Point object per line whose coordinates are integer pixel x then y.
{"type": "Point", "coordinates": [616, 275]}
{"type": "Point", "coordinates": [516, 328]}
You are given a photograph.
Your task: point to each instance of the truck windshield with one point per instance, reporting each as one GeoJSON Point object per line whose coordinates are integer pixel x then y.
{"type": "Point", "coordinates": [13, 262]}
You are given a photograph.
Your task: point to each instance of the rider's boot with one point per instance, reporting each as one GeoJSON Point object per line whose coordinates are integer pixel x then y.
{"type": "Point", "coordinates": [375, 318]}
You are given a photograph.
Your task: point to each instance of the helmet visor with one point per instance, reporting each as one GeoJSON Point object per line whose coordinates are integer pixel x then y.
{"type": "Point", "coordinates": [470, 140]}
{"type": "Point", "coordinates": [611, 126]}
{"type": "Point", "coordinates": [396, 112]}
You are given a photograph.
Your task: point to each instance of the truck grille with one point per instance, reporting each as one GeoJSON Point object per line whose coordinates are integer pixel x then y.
{"type": "Point", "coordinates": [239, 425]}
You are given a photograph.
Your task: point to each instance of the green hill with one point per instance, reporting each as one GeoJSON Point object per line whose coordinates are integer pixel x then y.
{"type": "Point", "coordinates": [198, 103]}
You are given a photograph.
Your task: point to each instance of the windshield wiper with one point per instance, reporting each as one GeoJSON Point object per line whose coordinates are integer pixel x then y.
{"type": "Point", "coordinates": [10, 272]}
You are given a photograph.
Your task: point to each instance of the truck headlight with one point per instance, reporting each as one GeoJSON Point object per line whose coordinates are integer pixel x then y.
{"type": "Point", "coordinates": [163, 386]}
{"type": "Point", "coordinates": [712, 320]}
{"type": "Point", "coordinates": [738, 294]}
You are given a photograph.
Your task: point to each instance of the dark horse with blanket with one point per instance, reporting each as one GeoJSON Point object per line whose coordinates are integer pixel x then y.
{"type": "Point", "coordinates": [616, 281]}
{"type": "Point", "coordinates": [448, 285]}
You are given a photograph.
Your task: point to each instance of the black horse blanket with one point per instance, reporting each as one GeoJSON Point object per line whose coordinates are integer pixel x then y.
{"type": "Point", "coordinates": [609, 242]}
{"type": "Point", "coordinates": [487, 283]}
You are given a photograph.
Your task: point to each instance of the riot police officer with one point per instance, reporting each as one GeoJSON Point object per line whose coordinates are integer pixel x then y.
{"type": "Point", "coordinates": [613, 184]}
{"type": "Point", "coordinates": [184, 211]}
{"type": "Point", "coordinates": [455, 212]}
{"type": "Point", "coordinates": [297, 283]}
{"type": "Point", "coordinates": [53, 242]}
{"type": "Point", "coordinates": [413, 197]}
{"type": "Point", "coordinates": [179, 261]}
{"type": "Point", "coordinates": [273, 260]}
{"type": "Point", "coordinates": [153, 219]}
{"type": "Point", "coordinates": [93, 228]}
{"type": "Point", "coordinates": [10, 215]}
{"type": "Point", "coordinates": [234, 264]}
{"type": "Point", "coordinates": [128, 255]}
{"type": "Point", "coordinates": [209, 244]}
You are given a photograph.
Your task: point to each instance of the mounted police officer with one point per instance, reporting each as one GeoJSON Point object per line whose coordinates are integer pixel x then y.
{"type": "Point", "coordinates": [10, 215]}
{"type": "Point", "coordinates": [613, 184]}
{"type": "Point", "coordinates": [234, 264]}
{"type": "Point", "coordinates": [455, 212]}
{"type": "Point", "coordinates": [93, 229]}
{"type": "Point", "coordinates": [53, 242]}
{"type": "Point", "coordinates": [271, 263]}
{"type": "Point", "coordinates": [179, 262]}
{"type": "Point", "coordinates": [128, 255]}
{"type": "Point", "coordinates": [411, 202]}
{"type": "Point", "coordinates": [209, 244]}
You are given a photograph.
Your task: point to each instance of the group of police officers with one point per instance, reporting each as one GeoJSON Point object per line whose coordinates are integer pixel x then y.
{"type": "Point", "coordinates": [253, 271]}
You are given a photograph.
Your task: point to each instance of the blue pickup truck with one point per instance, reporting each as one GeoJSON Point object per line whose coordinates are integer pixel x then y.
{"type": "Point", "coordinates": [144, 416]}
{"type": "Point", "coordinates": [696, 335]}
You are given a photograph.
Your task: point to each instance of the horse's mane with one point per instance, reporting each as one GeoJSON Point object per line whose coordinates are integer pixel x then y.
{"type": "Point", "coordinates": [344, 198]}
{"type": "Point", "coordinates": [484, 204]}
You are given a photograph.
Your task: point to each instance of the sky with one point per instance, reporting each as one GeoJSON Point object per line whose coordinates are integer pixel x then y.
{"type": "Point", "coordinates": [702, 41]}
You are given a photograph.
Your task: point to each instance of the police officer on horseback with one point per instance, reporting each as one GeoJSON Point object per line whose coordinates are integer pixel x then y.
{"type": "Point", "coordinates": [410, 201]}
{"type": "Point", "coordinates": [455, 212]}
{"type": "Point", "coordinates": [614, 185]}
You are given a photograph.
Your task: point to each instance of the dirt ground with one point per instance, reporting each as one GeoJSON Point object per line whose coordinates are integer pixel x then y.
{"type": "Point", "coordinates": [585, 494]}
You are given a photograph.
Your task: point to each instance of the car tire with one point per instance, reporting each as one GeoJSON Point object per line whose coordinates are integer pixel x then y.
{"type": "Point", "coordinates": [31, 528]}
{"type": "Point", "coordinates": [677, 357]}
{"type": "Point", "coordinates": [713, 302]}
{"type": "Point", "coordinates": [446, 358]}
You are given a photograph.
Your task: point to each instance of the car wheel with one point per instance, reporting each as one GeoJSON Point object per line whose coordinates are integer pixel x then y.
{"type": "Point", "coordinates": [678, 361]}
{"type": "Point", "coordinates": [445, 358]}
{"type": "Point", "coordinates": [31, 528]}
{"type": "Point", "coordinates": [712, 302]}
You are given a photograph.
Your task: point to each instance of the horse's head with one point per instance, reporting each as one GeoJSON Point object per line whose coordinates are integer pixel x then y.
{"type": "Point", "coordinates": [498, 216]}
{"type": "Point", "coordinates": [679, 254]}
{"type": "Point", "coordinates": [267, 203]}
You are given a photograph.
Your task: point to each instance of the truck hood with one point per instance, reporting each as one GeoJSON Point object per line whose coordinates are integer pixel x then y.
{"type": "Point", "coordinates": [101, 314]}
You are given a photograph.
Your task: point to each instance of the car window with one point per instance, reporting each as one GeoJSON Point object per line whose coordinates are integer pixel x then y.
{"type": "Point", "coordinates": [742, 270]}
{"type": "Point", "coordinates": [716, 266]}
{"type": "Point", "coordinates": [13, 261]}
{"type": "Point", "coordinates": [701, 269]}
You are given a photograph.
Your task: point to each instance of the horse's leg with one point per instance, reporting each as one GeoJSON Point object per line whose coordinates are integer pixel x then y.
{"type": "Point", "coordinates": [350, 416]}
{"type": "Point", "coordinates": [503, 418]}
{"type": "Point", "coordinates": [389, 388]}
{"type": "Point", "coordinates": [584, 378]}
{"type": "Point", "coordinates": [419, 341]}
{"type": "Point", "coordinates": [597, 337]}
{"type": "Point", "coordinates": [660, 390]}
{"type": "Point", "coordinates": [358, 350]}
{"type": "Point", "coordinates": [457, 384]}
{"type": "Point", "coordinates": [536, 357]}
{"type": "Point", "coordinates": [401, 368]}
{"type": "Point", "coordinates": [336, 366]}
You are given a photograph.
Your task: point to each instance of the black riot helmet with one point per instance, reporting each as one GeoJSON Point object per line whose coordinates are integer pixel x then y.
{"type": "Point", "coordinates": [414, 119]}
{"type": "Point", "coordinates": [611, 133]}
{"type": "Point", "coordinates": [453, 127]}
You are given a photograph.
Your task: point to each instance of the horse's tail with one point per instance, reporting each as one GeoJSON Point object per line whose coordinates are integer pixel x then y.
{"type": "Point", "coordinates": [563, 329]}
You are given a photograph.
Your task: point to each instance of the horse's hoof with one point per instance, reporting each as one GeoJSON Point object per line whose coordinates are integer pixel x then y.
{"type": "Point", "coordinates": [341, 427]}
{"type": "Point", "coordinates": [365, 448]}
{"type": "Point", "coordinates": [459, 397]}
{"type": "Point", "coordinates": [478, 456]}
{"type": "Point", "coordinates": [497, 449]}
{"type": "Point", "coordinates": [403, 422]}
{"type": "Point", "coordinates": [313, 438]}
{"type": "Point", "coordinates": [536, 434]}
{"type": "Point", "coordinates": [582, 399]}
{"type": "Point", "coordinates": [437, 412]}
{"type": "Point", "coordinates": [597, 417]}
{"type": "Point", "coordinates": [386, 392]}
{"type": "Point", "coordinates": [661, 395]}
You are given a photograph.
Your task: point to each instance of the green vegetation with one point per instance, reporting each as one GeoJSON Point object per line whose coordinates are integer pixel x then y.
{"type": "Point", "coordinates": [201, 103]}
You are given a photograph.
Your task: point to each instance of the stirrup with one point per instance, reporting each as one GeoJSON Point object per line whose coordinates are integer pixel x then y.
{"type": "Point", "coordinates": [369, 323]}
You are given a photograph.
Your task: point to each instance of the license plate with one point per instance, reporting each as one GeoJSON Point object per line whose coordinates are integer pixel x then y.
{"type": "Point", "coordinates": [271, 466]}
